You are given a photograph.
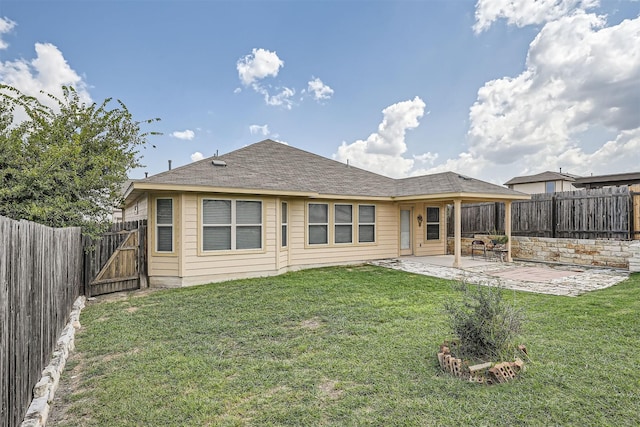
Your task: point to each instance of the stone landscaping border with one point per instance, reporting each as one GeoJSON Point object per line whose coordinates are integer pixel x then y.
{"type": "Point", "coordinates": [44, 391]}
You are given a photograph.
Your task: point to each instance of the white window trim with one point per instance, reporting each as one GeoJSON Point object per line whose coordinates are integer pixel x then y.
{"type": "Point", "coordinates": [234, 226]}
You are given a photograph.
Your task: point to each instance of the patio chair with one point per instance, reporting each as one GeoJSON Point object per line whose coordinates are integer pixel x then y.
{"type": "Point", "coordinates": [478, 245]}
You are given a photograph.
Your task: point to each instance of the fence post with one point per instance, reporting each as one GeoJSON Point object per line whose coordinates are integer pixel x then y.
{"type": "Point", "coordinates": [634, 205]}
{"type": "Point", "coordinates": [554, 216]}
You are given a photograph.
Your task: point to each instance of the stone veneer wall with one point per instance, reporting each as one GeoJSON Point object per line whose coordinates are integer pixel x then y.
{"type": "Point", "coordinates": [598, 253]}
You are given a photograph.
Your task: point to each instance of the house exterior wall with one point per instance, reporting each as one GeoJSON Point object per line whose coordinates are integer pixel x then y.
{"type": "Point", "coordinates": [303, 255]}
{"type": "Point", "coordinates": [164, 268]}
{"type": "Point", "coordinates": [424, 247]}
{"type": "Point", "coordinates": [540, 187]}
{"type": "Point", "coordinates": [136, 210]}
{"type": "Point", "coordinates": [188, 264]}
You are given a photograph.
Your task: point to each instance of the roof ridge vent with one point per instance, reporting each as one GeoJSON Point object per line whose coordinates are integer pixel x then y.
{"type": "Point", "coordinates": [216, 162]}
{"type": "Point", "coordinates": [466, 178]}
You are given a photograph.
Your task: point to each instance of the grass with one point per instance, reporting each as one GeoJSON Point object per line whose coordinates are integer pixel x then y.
{"type": "Point", "coordinates": [343, 346]}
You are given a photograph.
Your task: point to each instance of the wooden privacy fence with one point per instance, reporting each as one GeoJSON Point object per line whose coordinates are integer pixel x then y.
{"type": "Point", "coordinates": [117, 261]}
{"type": "Point", "coordinates": [40, 278]}
{"type": "Point", "coordinates": [604, 213]}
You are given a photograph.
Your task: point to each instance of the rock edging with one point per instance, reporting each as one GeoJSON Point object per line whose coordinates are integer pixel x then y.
{"type": "Point", "coordinates": [44, 390]}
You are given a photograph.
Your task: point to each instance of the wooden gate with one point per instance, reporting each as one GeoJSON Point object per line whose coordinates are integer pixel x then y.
{"type": "Point", "coordinates": [117, 262]}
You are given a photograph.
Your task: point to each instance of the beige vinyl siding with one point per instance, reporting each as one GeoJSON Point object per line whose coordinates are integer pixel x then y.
{"type": "Point", "coordinates": [422, 246]}
{"type": "Point", "coordinates": [189, 265]}
{"type": "Point", "coordinates": [302, 254]}
{"type": "Point", "coordinates": [282, 252]}
{"type": "Point", "coordinates": [136, 210]}
{"type": "Point", "coordinates": [164, 264]}
{"type": "Point", "coordinates": [236, 263]}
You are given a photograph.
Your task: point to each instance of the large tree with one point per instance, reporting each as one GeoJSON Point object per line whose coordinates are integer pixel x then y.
{"type": "Point", "coordinates": [65, 165]}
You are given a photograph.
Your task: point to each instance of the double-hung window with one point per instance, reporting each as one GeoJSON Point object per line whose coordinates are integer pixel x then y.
{"type": "Point", "coordinates": [164, 225]}
{"type": "Point", "coordinates": [284, 221]}
{"type": "Point", "coordinates": [433, 223]}
{"type": "Point", "coordinates": [366, 223]}
{"type": "Point", "coordinates": [343, 223]}
{"type": "Point", "coordinates": [318, 223]}
{"type": "Point", "coordinates": [231, 224]}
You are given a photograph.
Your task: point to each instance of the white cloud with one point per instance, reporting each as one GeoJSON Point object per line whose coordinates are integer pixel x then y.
{"type": "Point", "coordinates": [469, 165]}
{"type": "Point", "coordinates": [426, 158]}
{"type": "Point", "coordinates": [281, 99]}
{"type": "Point", "coordinates": [581, 81]}
{"type": "Point", "coordinates": [6, 25]}
{"type": "Point", "coordinates": [48, 72]}
{"type": "Point", "coordinates": [382, 151]}
{"type": "Point", "coordinates": [257, 129]}
{"type": "Point", "coordinates": [260, 63]}
{"type": "Point", "coordinates": [197, 156]}
{"type": "Point", "coordinates": [580, 75]}
{"type": "Point", "coordinates": [522, 13]}
{"type": "Point", "coordinates": [319, 90]}
{"type": "Point", "coordinates": [621, 155]}
{"type": "Point", "coordinates": [186, 135]}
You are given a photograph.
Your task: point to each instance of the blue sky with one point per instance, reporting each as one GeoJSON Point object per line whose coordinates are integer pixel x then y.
{"type": "Point", "coordinates": [486, 88]}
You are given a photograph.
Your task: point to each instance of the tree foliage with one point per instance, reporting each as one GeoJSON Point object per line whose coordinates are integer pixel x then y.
{"type": "Point", "coordinates": [65, 165]}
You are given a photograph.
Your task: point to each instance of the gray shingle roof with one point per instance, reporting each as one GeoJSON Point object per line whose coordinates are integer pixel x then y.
{"type": "Point", "coordinates": [627, 178]}
{"type": "Point", "coordinates": [541, 177]}
{"type": "Point", "coordinates": [270, 165]}
{"type": "Point", "coordinates": [447, 182]}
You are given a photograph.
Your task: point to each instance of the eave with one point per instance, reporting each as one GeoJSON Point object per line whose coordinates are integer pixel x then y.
{"type": "Point", "coordinates": [467, 197]}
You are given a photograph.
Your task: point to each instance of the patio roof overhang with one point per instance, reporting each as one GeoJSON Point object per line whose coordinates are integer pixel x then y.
{"type": "Point", "coordinates": [465, 197]}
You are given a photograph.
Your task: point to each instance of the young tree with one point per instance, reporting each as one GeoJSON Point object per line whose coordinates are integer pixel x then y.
{"type": "Point", "coordinates": [65, 166]}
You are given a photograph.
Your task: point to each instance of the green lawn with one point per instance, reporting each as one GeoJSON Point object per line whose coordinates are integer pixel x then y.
{"type": "Point", "coordinates": [343, 346]}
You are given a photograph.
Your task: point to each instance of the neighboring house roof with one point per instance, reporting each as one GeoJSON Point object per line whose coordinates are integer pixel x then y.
{"type": "Point", "coordinates": [596, 181]}
{"type": "Point", "coordinates": [542, 177]}
{"type": "Point", "coordinates": [271, 167]}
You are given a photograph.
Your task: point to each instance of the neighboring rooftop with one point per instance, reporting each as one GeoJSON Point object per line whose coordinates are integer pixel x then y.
{"type": "Point", "coordinates": [598, 181]}
{"type": "Point", "coordinates": [273, 166]}
{"type": "Point", "coordinates": [542, 177]}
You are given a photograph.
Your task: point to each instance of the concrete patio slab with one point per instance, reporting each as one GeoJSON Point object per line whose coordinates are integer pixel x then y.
{"type": "Point", "coordinates": [529, 277]}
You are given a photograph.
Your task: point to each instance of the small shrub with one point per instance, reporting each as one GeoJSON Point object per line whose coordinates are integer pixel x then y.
{"type": "Point", "coordinates": [485, 325]}
{"type": "Point", "coordinates": [498, 238]}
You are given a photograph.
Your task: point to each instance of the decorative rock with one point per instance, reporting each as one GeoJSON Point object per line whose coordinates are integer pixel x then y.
{"type": "Point", "coordinates": [42, 387]}
{"type": "Point", "coordinates": [38, 410]}
{"type": "Point", "coordinates": [44, 391]}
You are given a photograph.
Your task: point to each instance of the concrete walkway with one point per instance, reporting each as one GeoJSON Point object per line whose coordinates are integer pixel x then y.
{"type": "Point", "coordinates": [531, 277]}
